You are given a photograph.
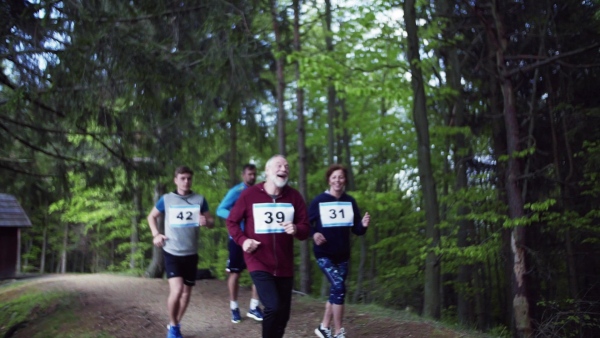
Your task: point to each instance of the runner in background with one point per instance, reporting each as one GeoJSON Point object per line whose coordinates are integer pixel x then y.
{"type": "Point", "coordinates": [235, 263]}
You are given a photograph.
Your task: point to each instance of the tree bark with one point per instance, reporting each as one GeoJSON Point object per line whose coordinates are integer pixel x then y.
{"type": "Point", "coordinates": [331, 93]}
{"type": "Point", "coordinates": [156, 269]}
{"type": "Point", "coordinates": [305, 260]}
{"type": "Point", "coordinates": [279, 61]}
{"type": "Point", "coordinates": [360, 275]}
{"type": "Point", "coordinates": [432, 305]}
{"type": "Point", "coordinates": [232, 163]}
{"type": "Point", "coordinates": [346, 144]}
{"type": "Point", "coordinates": [522, 320]}
{"type": "Point", "coordinates": [63, 251]}
{"type": "Point", "coordinates": [135, 219]}
{"type": "Point", "coordinates": [462, 153]}
{"type": "Point", "coordinates": [44, 241]}
{"type": "Point", "coordinates": [562, 198]}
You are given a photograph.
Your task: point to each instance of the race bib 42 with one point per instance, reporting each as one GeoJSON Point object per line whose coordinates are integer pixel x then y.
{"type": "Point", "coordinates": [184, 216]}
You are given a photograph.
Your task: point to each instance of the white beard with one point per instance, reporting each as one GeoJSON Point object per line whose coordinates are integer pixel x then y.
{"type": "Point", "coordinates": [278, 181]}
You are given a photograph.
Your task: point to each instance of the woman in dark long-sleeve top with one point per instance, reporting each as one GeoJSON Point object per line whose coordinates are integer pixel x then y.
{"type": "Point", "coordinates": [333, 215]}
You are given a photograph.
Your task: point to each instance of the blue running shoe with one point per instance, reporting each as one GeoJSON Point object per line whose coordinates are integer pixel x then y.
{"type": "Point", "coordinates": [255, 314]}
{"type": "Point", "coordinates": [235, 316]}
{"type": "Point", "coordinates": [174, 331]}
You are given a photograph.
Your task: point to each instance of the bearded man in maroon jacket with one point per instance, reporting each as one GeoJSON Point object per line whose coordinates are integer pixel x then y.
{"type": "Point", "coordinates": [274, 213]}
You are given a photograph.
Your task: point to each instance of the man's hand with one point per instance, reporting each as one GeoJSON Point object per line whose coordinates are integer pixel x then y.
{"type": "Point", "coordinates": [206, 220]}
{"type": "Point", "coordinates": [159, 240]}
{"type": "Point", "coordinates": [289, 227]}
{"type": "Point", "coordinates": [319, 238]}
{"type": "Point", "coordinates": [250, 245]}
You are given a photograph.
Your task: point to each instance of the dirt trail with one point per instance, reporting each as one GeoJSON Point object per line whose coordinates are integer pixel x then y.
{"type": "Point", "coordinates": [136, 307]}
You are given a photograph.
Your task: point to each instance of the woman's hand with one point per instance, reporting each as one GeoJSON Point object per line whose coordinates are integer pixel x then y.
{"type": "Point", "coordinates": [319, 238]}
{"type": "Point", "coordinates": [366, 220]}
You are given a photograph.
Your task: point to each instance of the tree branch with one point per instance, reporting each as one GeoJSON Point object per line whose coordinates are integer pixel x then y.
{"type": "Point", "coordinates": [34, 147]}
{"type": "Point", "coordinates": [4, 80]}
{"type": "Point", "coordinates": [2, 166]}
{"type": "Point", "coordinates": [57, 131]}
{"type": "Point", "coordinates": [549, 60]}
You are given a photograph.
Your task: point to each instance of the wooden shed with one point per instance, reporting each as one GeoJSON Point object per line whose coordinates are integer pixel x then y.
{"type": "Point", "coordinates": [12, 219]}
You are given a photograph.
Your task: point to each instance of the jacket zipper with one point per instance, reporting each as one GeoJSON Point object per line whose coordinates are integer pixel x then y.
{"type": "Point", "coordinates": [274, 247]}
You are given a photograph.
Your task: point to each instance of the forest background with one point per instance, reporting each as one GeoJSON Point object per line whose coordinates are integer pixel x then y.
{"type": "Point", "coordinates": [471, 130]}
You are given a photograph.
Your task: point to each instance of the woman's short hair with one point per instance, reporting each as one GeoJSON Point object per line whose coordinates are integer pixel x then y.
{"type": "Point", "coordinates": [333, 168]}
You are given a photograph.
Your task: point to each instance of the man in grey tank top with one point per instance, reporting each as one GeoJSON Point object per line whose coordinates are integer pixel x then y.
{"type": "Point", "coordinates": [185, 212]}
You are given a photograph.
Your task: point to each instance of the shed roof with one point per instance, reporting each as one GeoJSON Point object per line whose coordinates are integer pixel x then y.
{"type": "Point", "coordinates": [11, 212]}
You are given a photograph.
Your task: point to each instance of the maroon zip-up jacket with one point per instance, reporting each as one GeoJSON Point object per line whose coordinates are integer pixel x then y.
{"type": "Point", "coordinates": [275, 254]}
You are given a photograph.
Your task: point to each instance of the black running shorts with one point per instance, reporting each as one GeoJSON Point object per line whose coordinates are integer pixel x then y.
{"type": "Point", "coordinates": [181, 266]}
{"type": "Point", "coordinates": [235, 263]}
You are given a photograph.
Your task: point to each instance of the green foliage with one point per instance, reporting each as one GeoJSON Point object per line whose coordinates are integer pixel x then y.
{"type": "Point", "coordinates": [518, 154]}
{"type": "Point", "coordinates": [567, 318]}
{"type": "Point", "coordinates": [29, 306]}
{"type": "Point", "coordinates": [121, 101]}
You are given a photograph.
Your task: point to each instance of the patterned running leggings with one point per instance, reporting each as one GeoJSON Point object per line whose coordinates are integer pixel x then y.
{"type": "Point", "coordinates": [336, 274]}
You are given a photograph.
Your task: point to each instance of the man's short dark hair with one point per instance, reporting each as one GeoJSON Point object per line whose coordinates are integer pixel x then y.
{"type": "Point", "coordinates": [183, 170]}
{"type": "Point", "coordinates": [249, 166]}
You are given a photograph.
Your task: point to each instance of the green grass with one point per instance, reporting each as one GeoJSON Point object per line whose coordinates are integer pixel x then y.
{"type": "Point", "coordinates": [64, 323]}
{"type": "Point", "coordinates": [25, 305]}
{"type": "Point", "coordinates": [40, 313]}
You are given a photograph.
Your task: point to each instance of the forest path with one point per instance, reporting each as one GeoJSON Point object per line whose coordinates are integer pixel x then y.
{"type": "Point", "coordinates": [136, 307]}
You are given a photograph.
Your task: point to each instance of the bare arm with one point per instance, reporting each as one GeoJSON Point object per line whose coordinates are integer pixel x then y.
{"type": "Point", "coordinates": [158, 239]}
{"type": "Point", "coordinates": [207, 220]}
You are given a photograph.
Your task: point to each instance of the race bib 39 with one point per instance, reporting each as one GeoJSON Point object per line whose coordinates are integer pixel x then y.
{"type": "Point", "coordinates": [269, 216]}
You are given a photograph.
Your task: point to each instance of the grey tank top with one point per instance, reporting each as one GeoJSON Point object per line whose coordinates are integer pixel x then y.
{"type": "Point", "coordinates": [182, 223]}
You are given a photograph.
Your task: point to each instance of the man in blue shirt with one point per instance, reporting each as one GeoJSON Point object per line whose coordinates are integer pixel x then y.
{"type": "Point", "coordinates": [236, 263]}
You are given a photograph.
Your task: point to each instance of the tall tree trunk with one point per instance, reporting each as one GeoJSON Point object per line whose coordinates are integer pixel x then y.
{"type": "Point", "coordinates": [331, 93]}
{"type": "Point", "coordinates": [373, 262]}
{"type": "Point", "coordinates": [360, 275]}
{"type": "Point", "coordinates": [63, 251]}
{"type": "Point", "coordinates": [499, 146]}
{"type": "Point", "coordinates": [279, 60]}
{"type": "Point", "coordinates": [331, 155]}
{"type": "Point", "coordinates": [44, 236]}
{"type": "Point", "coordinates": [232, 164]}
{"type": "Point", "coordinates": [449, 53]}
{"type": "Point", "coordinates": [522, 320]}
{"type": "Point", "coordinates": [466, 227]}
{"type": "Point", "coordinates": [346, 143]}
{"type": "Point", "coordinates": [25, 265]}
{"type": "Point", "coordinates": [156, 269]}
{"type": "Point", "coordinates": [562, 198]}
{"type": "Point", "coordinates": [44, 242]}
{"type": "Point", "coordinates": [52, 262]}
{"type": "Point", "coordinates": [83, 256]}
{"type": "Point", "coordinates": [305, 261]}
{"type": "Point", "coordinates": [432, 305]}
{"type": "Point", "coordinates": [135, 219]}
